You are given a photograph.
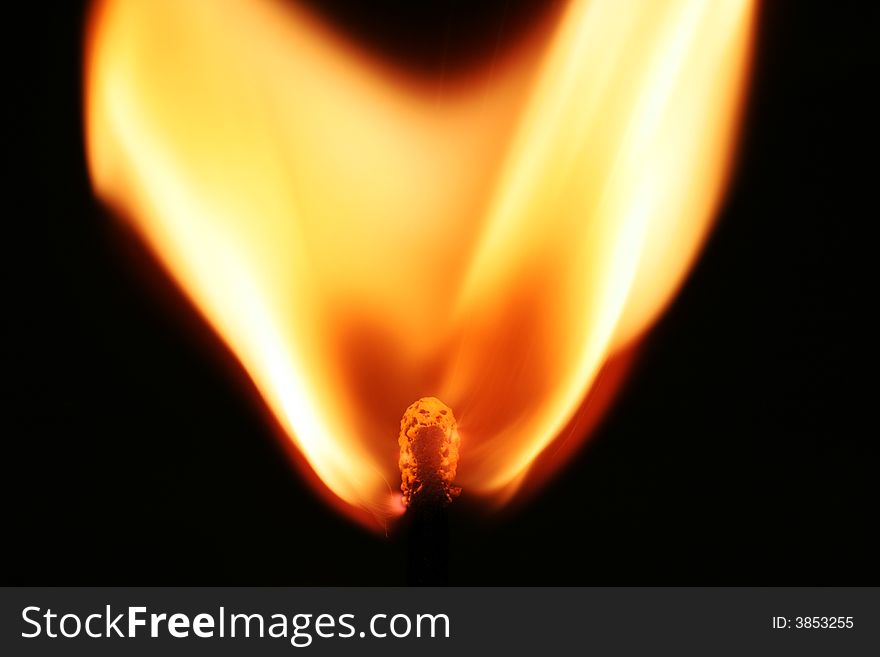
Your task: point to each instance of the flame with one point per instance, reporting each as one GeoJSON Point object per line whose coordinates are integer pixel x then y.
{"type": "Point", "coordinates": [361, 238]}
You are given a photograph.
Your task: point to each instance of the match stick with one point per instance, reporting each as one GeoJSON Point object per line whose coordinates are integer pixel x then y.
{"type": "Point", "coordinates": [429, 443]}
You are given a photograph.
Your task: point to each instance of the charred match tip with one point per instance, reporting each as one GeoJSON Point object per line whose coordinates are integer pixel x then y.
{"type": "Point", "coordinates": [429, 444]}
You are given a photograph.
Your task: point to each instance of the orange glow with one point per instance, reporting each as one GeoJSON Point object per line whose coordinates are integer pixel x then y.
{"type": "Point", "coordinates": [360, 240]}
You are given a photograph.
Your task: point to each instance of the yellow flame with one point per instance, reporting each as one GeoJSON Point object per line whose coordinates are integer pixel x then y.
{"type": "Point", "coordinates": [361, 240]}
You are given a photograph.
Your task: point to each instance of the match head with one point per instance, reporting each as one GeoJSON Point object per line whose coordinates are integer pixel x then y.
{"type": "Point", "coordinates": [429, 443]}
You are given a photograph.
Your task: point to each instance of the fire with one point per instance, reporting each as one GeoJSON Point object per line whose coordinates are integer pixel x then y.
{"type": "Point", "coordinates": [361, 239]}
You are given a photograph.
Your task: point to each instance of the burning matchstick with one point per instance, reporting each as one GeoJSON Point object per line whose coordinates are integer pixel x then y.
{"type": "Point", "coordinates": [429, 443]}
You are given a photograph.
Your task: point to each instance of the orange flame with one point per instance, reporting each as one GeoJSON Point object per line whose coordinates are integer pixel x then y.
{"type": "Point", "coordinates": [360, 240]}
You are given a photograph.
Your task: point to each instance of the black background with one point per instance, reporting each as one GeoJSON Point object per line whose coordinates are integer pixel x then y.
{"type": "Point", "coordinates": [736, 454]}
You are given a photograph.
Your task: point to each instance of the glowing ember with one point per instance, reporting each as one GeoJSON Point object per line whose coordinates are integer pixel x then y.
{"type": "Point", "coordinates": [429, 443]}
{"type": "Point", "coordinates": [360, 240]}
